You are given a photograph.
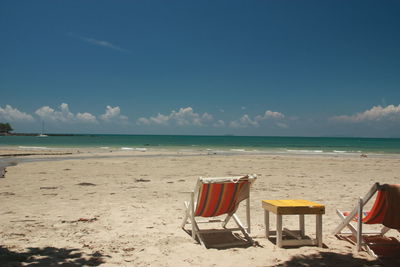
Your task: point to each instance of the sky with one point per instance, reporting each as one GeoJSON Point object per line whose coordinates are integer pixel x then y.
{"type": "Point", "coordinates": [265, 68]}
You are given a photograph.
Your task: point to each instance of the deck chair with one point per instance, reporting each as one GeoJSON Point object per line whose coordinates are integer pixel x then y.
{"type": "Point", "coordinates": [216, 197]}
{"type": "Point", "coordinates": [385, 211]}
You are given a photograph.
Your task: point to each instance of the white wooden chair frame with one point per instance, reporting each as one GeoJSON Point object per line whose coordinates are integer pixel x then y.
{"type": "Point", "coordinates": [190, 207]}
{"type": "Point", "coordinates": [356, 230]}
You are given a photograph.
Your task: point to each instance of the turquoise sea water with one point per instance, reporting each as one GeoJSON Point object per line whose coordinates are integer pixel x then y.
{"type": "Point", "coordinates": [224, 143]}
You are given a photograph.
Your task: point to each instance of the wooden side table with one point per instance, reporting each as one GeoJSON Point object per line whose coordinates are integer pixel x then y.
{"type": "Point", "coordinates": [299, 207]}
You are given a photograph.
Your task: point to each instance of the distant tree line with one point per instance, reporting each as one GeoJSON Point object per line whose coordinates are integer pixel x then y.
{"type": "Point", "coordinates": [5, 128]}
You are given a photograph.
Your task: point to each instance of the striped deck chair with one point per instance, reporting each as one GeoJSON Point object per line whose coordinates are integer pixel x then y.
{"type": "Point", "coordinates": [385, 211]}
{"type": "Point", "coordinates": [216, 197]}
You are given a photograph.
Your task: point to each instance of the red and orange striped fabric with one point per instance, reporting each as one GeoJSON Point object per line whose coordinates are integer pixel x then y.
{"type": "Point", "coordinates": [378, 211]}
{"type": "Point", "coordinates": [218, 198]}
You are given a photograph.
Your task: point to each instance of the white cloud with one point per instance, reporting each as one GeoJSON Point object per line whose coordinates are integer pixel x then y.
{"type": "Point", "coordinates": [101, 43]}
{"type": "Point", "coordinates": [86, 117]}
{"type": "Point", "coordinates": [243, 122]}
{"type": "Point", "coordinates": [376, 113]}
{"type": "Point", "coordinates": [47, 113]}
{"type": "Point", "coordinates": [113, 114]}
{"type": "Point", "coordinates": [159, 119]}
{"type": "Point", "coordinates": [282, 125]}
{"type": "Point", "coordinates": [9, 113]}
{"type": "Point", "coordinates": [246, 121]}
{"type": "Point", "coordinates": [143, 121]}
{"type": "Point", "coordinates": [182, 117]}
{"type": "Point", "coordinates": [270, 115]}
{"type": "Point", "coordinates": [219, 123]}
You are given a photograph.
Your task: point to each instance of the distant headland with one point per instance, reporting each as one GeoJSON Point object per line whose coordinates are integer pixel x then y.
{"type": "Point", "coordinates": [35, 134]}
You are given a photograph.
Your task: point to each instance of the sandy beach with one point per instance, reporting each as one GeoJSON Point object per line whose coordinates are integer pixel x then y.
{"type": "Point", "coordinates": [125, 208]}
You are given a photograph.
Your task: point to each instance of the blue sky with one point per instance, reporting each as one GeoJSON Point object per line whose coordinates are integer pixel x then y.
{"type": "Point", "coordinates": [291, 68]}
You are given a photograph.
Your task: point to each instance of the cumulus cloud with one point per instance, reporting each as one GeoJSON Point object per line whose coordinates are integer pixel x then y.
{"type": "Point", "coordinates": [86, 117]}
{"type": "Point", "coordinates": [9, 113]}
{"type": "Point", "coordinates": [113, 114]}
{"type": "Point", "coordinates": [376, 113]}
{"type": "Point", "coordinates": [160, 119]}
{"type": "Point", "coordinates": [270, 115]}
{"type": "Point", "coordinates": [246, 121]}
{"type": "Point", "coordinates": [63, 114]}
{"type": "Point", "coordinates": [219, 123]}
{"type": "Point", "coordinates": [182, 117]}
{"type": "Point", "coordinates": [243, 122]}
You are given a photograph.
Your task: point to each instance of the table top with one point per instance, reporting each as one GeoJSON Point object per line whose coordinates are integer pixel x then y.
{"type": "Point", "coordinates": [293, 206]}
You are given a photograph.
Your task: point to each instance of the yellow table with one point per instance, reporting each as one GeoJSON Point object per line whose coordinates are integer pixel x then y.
{"type": "Point", "coordinates": [299, 207]}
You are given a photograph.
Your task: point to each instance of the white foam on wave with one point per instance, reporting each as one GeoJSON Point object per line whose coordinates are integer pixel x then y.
{"type": "Point", "coordinates": [134, 148]}
{"type": "Point", "coordinates": [33, 147]}
{"type": "Point", "coordinates": [303, 151]}
{"type": "Point", "coordinates": [238, 150]}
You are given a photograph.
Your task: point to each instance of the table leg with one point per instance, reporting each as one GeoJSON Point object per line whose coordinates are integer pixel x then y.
{"type": "Point", "coordinates": [319, 229]}
{"type": "Point", "coordinates": [301, 222]}
{"type": "Point", "coordinates": [266, 221]}
{"type": "Point", "coordinates": [279, 230]}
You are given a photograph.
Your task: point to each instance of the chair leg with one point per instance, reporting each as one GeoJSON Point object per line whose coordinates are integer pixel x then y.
{"type": "Point", "coordinates": [240, 225]}
{"type": "Point", "coordinates": [186, 214]}
{"type": "Point", "coordinates": [384, 230]}
{"type": "Point", "coordinates": [359, 224]}
{"type": "Point", "coordinates": [349, 225]}
{"type": "Point", "coordinates": [193, 229]}
{"type": "Point", "coordinates": [196, 232]}
{"type": "Point", "coordinates": [225, 222]}
{"type": "Point", "coordinates": [248, 214]}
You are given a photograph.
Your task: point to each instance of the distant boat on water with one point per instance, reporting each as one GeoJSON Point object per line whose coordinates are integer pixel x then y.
{"type": "Point", "coordinates": [42, 132]}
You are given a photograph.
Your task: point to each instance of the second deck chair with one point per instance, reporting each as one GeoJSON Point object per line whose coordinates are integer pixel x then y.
{"type": "Point", "coordinates": [385, 211]}
{"type": "Point", "coordinates": [213, 197]}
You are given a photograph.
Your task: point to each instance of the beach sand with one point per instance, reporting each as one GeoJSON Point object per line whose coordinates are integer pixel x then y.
{"type": "Point", "coordinates": [125, 209]}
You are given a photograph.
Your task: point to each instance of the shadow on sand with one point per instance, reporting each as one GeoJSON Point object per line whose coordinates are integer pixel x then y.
{"type": "Point", "coordinates": [49, 256]}
{"type": "Point", "coordinates": [224, 240]}
{"type": "Point", "coordinates": [335, 259]}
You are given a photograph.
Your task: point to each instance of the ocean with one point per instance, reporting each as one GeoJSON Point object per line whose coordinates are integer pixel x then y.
{"type": "Point", "coordinates": [303, 145]}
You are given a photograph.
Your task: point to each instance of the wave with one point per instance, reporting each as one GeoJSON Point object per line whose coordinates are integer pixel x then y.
{"type": "Point", "coordinates": [33, 147]}
{"type": "Point", "coordinates": [134, 148]}
{"type": "Point", "coordinates": [303, 151]}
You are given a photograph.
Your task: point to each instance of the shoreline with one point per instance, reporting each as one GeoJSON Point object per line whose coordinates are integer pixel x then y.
{"type": "Point", "coordinates": [25, 151]}
{"type": "Point", "coordinates": [11, 156]}
{"type": "Point", "coordinates": [211, 144]}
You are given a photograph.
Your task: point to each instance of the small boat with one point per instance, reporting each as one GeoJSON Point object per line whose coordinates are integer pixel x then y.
{"type": "Point", "coordinates": [42, 134]}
